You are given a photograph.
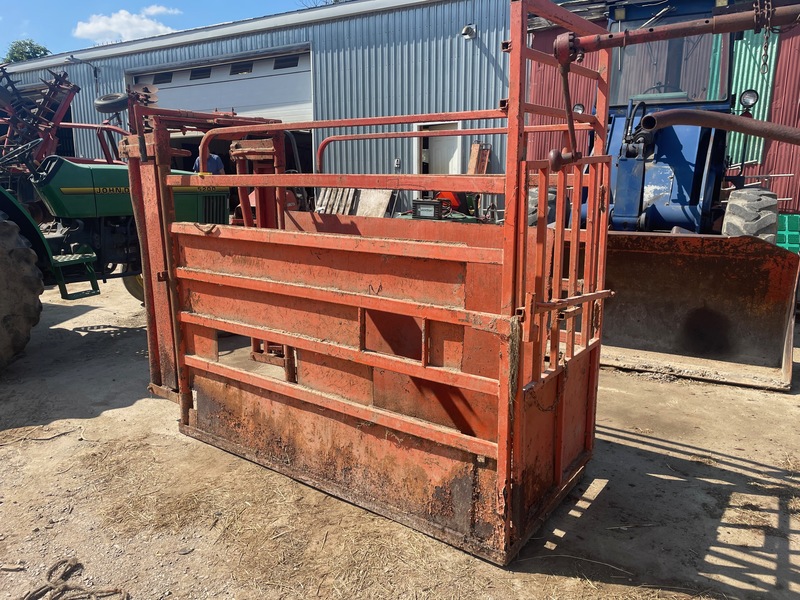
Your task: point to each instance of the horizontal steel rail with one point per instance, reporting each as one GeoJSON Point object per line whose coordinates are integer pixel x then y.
{"type": "Point", "coordinates": [370, 414]}
{"type": "Point", "coordinates": [549, 59]}
{"type": "Point", "coordinates": [428, 134]}
{"type": "Point", "coordinates": [347, 243]}
{"type": "Point", "coordinates": [479, 184]}
{"type": "Point", "coordinates": [239, 132]}
{"type": "Point", "coordinates": [560, 304]}
{"type": "Point", "coordinates": [477, 320]}
{"type": "Point", "coordinates": [398, 364]}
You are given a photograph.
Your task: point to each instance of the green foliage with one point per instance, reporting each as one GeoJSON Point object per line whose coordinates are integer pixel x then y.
{"type": "Point", "coordinates": [20, 50]}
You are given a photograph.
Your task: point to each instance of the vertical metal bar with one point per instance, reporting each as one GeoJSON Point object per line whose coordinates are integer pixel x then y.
{"type": "Point", "coordinates": [509, 293]}
{"type": "Point", "coordinates": [137, 195]}
{"type": "Point", "coordinates": [515, 154]}
{"type": "Point", "coordinates": [244, 196]}
{"type": "Point", "coordinates": [590, 255]}
{"type": "Point", "coordinates": [362, 328]}
{"type": "Point", "coordinates": [548, 315]}
{"type": "Point", "coordinates": [558, 428]}
{"type": "Point", "coordinates": [574, 251]}
{"type": "Point", "coordinates": [591, 401]}
{"type": "Point", "coordinates": [558, 267]}
{"type": "Point", "coordinates": [279, 166]}
{"type": "Point", "coordinates": [163, 163]}
{"type": "Point", "coordinates": [425, 344]}
{"type": "Point", "coordinates": [541, 267]}
{"type": "Point", "coordinates": [601, 131]}
{"type": "Point", "coordinates": [522, 232]}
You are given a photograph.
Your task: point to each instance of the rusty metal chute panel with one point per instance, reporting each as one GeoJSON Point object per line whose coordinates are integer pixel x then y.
{"type": "Point", "coordinates": [435, 372]}
{"type": "Point", "coordinates": [735, 282]}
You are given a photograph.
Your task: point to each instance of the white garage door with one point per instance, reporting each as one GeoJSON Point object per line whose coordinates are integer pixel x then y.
{"type": "Point", "coordinates": [275, 88]}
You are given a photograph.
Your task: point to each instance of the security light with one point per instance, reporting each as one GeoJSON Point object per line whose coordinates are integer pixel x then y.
{"type": "Point", "coordinates": [748, 98]}
{"type": "Point", "coordinates": [579, 108]}
{"type": "Point", "coordinates": [468, 32]}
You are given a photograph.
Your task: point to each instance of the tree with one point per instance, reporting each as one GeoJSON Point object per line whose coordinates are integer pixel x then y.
{"type": "Point", "coordinates": [20, 50]}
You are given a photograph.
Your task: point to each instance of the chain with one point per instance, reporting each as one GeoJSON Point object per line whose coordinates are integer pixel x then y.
{"type": "Point", "coordinates": [762, 19]}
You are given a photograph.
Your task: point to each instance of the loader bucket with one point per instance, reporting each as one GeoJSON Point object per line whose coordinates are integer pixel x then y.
{"type": "Point", "coordinates": [702, 306]}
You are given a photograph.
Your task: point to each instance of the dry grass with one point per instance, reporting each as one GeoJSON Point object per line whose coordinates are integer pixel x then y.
{"type": "Point", "coordinates": [793, 505]}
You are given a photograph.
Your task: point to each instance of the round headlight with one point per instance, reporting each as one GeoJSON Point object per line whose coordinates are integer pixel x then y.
{"type": "Point", "coordinates": [748, 98]}
{"type": "Point", "coordinates": [579, 108]}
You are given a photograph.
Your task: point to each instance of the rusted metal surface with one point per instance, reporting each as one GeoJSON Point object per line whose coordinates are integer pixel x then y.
{"type": "Point", "coordinates": [709, 332]}
{"type": "Point", "coordinates": [568, 46]}
{"type": "Point", "coordinates": [438, 373]}
{"type": "Point", "coordinates": [778, 157]}
{"type": "Point", "coordinates": [704, 118]}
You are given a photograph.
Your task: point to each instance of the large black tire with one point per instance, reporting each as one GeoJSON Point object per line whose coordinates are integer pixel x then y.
{"type": "Point", "coordinates": [20, 306]}
{"type": "Point", "coordinates": [533, 206]}
{"type": "Point", "coordinates": [752, 211]}
{"type": "Point", "coordinates": [111, 103]}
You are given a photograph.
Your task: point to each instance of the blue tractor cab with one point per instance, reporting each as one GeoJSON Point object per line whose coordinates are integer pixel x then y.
{"type": "Point", "coordinates": [699, 288]}
{"type": "Point", "coordinates": [671, 179]}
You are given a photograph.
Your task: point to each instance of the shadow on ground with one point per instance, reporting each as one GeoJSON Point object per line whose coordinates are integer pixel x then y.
{"type": "Point", "coordinates": [78, 367]}
{"type": "Point", "coordinates": [652, 511]}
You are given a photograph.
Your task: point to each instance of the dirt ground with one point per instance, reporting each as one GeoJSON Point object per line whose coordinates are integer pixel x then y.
{"type": "Point", "coordinates": [694, 491]}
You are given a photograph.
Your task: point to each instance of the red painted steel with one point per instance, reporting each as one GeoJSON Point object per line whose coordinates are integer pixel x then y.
{"type": "Point", "coordinates": [544, 72]}
{"type": "Point", "coordinates": [440, 373]}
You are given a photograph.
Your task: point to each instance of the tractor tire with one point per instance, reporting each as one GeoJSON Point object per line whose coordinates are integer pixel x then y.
{"type": "Point", "coordinates": [135, 286]}
{"type": "Point", "coordinates": [20, 307]}
{"type": "Point", "coordinates": [533, 206]}
{"type": "Point", "coordinates": [111, 103]}
{"type": "Point", "coordinates": [752, 212]}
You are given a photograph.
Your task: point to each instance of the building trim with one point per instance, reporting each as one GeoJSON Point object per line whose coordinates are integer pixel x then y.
{"type": "Point", "coordinates": [221, 60]}
{"type": "Point", "coordinates": [296, 18]}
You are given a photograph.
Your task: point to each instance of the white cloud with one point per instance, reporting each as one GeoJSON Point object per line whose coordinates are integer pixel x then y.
{"type": "Point", "coordinates": [157, 9]}
{"type": "Point", "coordinates": [123, 25]}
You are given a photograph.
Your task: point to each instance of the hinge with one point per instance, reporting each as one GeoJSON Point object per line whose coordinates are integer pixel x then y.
{"type": "Point", "coordinates": [525, 314]}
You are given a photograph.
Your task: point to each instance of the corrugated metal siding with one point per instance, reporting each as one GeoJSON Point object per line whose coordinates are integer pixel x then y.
{"type": "Point", "coordinates": [784, 110]}
{"type": "Point", "coordinates": [747, 75]}
{"type": "Point", "coordinates": [406, 62]}
{"type": "Point", "coordinates": [403, 61]}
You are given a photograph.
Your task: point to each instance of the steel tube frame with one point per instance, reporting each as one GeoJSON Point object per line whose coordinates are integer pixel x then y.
{"type": "Point", "coordinates": [426, 134]}
{"type": "Point", "coordinates": [568, 46]}
{"type": "Point", "coordinates": [495, 324]}
{"type": "Point", "coordinates": [704, 118]}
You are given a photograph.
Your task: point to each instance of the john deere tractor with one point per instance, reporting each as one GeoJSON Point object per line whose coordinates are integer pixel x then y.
{"type": "Point", "coordinates": [67, 221]}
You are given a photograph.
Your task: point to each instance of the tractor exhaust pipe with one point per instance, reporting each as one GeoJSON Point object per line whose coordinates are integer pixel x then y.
{"type": "Point", "coordinates": [702, 118]}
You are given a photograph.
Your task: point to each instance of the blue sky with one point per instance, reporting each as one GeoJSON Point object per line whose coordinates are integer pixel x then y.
{"type": "Point", "coordinates": [68, 25]}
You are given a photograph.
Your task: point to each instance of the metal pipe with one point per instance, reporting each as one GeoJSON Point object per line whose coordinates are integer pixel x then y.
{"type": "Point", "coordinates": [238, 132]}
{"type": "Point", "coordinates": [401, 134]}
{"type": "Point", "coordinates": [704, 118]}
{"type": "Point", "coordinates": [568, 46]}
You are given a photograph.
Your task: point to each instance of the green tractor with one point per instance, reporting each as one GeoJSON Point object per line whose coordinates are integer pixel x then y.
{"type": "Point", "coordinates": [66, 221]}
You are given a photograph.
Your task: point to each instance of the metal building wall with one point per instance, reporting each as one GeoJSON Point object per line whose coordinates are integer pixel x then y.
{"type": "Point", "coordinates": [401, 61]}
{"type": "Point", "coordinates": [405, 62]}
{"type": "Point", "coordinates": [747, 62]}
{"type": "Point", "coordinates": [780, 158]}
